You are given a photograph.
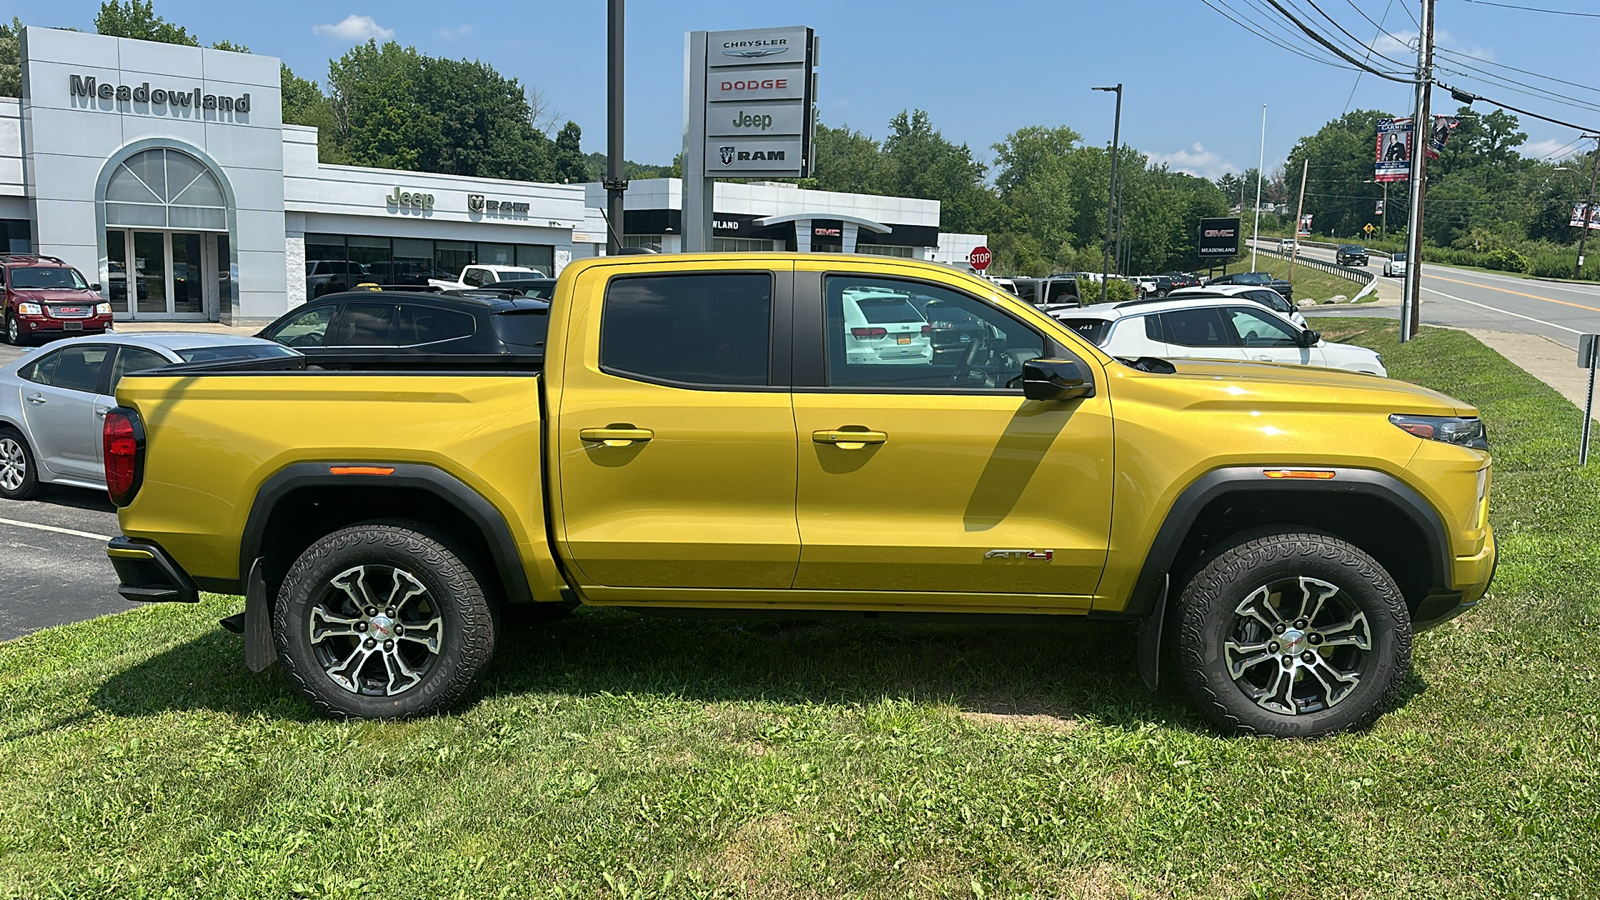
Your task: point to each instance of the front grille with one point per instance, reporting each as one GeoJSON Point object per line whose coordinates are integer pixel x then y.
{"type": "Point", "coordinates": [71, 312]}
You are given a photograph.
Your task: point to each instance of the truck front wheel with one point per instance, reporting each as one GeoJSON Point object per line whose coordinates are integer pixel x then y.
{"type": "Point", "coordinates": [383, 621]}
{"type": "Point", "coordinates": [1293, 635]}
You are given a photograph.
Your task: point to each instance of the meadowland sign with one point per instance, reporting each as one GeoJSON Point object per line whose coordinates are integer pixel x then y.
{"type": "Point", "coordinates": [88, 87]}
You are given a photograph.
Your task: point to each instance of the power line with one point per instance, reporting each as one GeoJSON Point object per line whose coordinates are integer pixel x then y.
{"type": "Point", "coordinates": [1289, 33]}
{"type": "Point", "coordinates": [1355, 40]}
{"type": "Point", "coordinates": [1537, 9]}
{"type": "Point", "coordinates": [1468, 97]}
{"type": "Point", "coordinates": [1350, 99]}
{"type": "Point", "coordinates": [1269, 38]}
{"type": "Point", "coordinates": [1331, 46]}
{"type": "Point", "coordinates": [1535, 92]}
{"type": "Point", "coordinates": [1499, 65]}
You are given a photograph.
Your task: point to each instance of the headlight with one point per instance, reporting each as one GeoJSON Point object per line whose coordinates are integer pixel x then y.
{"type": "Point", "coordinates": [1450, 429]}
{"type": "Point", "coordinates": [102, 309]}
{"type": "Point", "coordinates": [30, 309]}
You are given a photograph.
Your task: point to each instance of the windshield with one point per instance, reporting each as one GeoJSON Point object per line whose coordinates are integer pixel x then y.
{"type": "Point", "coordinates": [235, 351]}
{"type": "Point", "coordinates": [888, 310]}
{"type": "Point", "coordinates": [1252, 278]}
{"type": "Point", "coordinates": [1092, 330]}
{"type": "Point", "coordinates": [59, 278]}
{"type": "Point", "coordinates": [1397, 257]}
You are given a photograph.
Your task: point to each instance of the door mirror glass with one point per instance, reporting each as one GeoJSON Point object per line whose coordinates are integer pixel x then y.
{"type": "Point", "coordinates": [1055, 379]}
{"type": "Point", "coordinates": [1309, 338]}
{"type": "Point", "coordinates": [95, 287]}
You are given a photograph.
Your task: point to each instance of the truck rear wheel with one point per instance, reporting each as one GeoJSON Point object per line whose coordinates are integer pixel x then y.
{"type": "Point", "coordinates": [1293, 635]}
{"type": "Point", "coordinates": [383, 621]}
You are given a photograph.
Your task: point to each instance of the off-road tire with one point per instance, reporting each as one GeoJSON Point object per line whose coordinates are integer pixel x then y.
{"type": "Point", "coordinates": [1207, 617]}
{"type": "Point", "coordinates": [470, 622]}
{"type": "Point", "coordinates": [14, 445]}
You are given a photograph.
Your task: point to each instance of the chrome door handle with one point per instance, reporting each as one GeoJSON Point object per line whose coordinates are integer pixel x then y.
{"type": "Point", "coordinates": [849, 440]}
{"type": "Point", "coordinates": [37, 399]}
{"type": "Point", "coordinates": [616, 435]}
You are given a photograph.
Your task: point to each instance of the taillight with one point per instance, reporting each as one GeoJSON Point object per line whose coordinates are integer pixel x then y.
{"type": "Point", "coordinates": [927, 329]}
{"type": "Point", "coordinates": [124, 454]}
{"type": "Point", "coordinates": [868, 334]}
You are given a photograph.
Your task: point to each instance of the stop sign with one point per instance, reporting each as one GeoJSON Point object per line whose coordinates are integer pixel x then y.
{"type": "Point", "coordinates": [979, 258]}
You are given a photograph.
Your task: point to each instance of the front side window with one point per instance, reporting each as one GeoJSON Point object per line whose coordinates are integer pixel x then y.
{"type": "Point", "coordinates": [365, 325]}
{"type": "Point", "coordinates": [476, 277]}
{"type": "Point", "coordinates": [711, 330]}
{"type": "Point", "coordinates": [1196, 328]}
{"type": "Point", "coordinates": [888, 333]}
{"type": "Point", "coordinates": [1261, 329]}
{"type": "Point", "coordinates": [309, 329]}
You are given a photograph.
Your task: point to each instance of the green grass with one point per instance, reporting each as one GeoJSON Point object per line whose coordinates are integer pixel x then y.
{"type": "Point", "coordinates": [1309, 283]}
{"type": "Point", "coordinates": [621, 756]}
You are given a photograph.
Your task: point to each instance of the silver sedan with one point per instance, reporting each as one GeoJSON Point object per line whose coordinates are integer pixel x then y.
{"type": "Point", "coordinates": [53, 400]}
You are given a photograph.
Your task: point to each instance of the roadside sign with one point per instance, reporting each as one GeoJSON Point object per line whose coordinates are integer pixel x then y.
{"type": "Point", "coordinates": [1218, 237]}
{"type": "Point", "coordinates": [1369, 229]}
{"type": "Point", "coordinates": [979, 258]}
{"type": "Point", "coordinates": [1588, 358]}
{"type": "Point", "coordinates": [1588, 345]}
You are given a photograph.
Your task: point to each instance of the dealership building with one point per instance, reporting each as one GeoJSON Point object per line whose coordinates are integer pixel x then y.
{"type": "Point", "coordinates": [166, 174]}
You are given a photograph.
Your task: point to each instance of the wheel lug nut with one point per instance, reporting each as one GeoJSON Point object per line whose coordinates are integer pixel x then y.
{"type": "Point", "coordinates": [1288, 660]}
{"type": "Point", "coordinates": [1301, 623]}
{"type": "Point", "coordinates": [399, 629]}
{"type": "Point", "coordinates": [390, 613]}
{"type": "Point", "coordinates": [370, 643]}
{"type": "Point", "coordinates": [361, 626]}
{"type": "Point", "coordinates": [372, 611]}
{"type": "Point", "coordinates": [1316, 639]}
{"type": "Point", "coordinates": [1278, 628]}
{"type": "Point", "coordinates": [1308, 656]}
{"type": "Point", "coordinates": [1272, 647]}
{"type": "Point", "coordinates": [389, 645]}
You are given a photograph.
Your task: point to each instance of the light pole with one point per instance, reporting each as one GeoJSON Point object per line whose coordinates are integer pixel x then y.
{"type": "Point", "coordinates": [1111, 198]}
{"type": "Point", "coordinates": [1588, 209]}
{"type": "Point", "coordinates": [616, 181]}
{"type": "Point", "coordinates": [1261, 160]}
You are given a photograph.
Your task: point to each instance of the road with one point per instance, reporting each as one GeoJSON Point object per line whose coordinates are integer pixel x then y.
{"type": "Point", "coordinates": [1466, 299]}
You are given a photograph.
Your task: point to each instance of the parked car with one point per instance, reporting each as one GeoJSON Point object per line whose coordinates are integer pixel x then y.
{"type": "Point", "coordinates": [478, 276]}
{"type": "Point", "coordinates": [690, 448]}
{"type": "Point", "coordinates": [1214, 328]}
{"type": "Point", "coordinates": [1395, 266]}
{"type": "Point", "coordinates": [1265, 296]}
{"type": "Point", "coordinates": [52, 401]}
{"type": "Point", "coordinates": [1180, 280]}
{"type": "Point", "coordinates": [535, 288]}
{"type": "Point", "coordinates": [1039, 291]}
{"type": "Point", "coordinates": [885, 327]}
{"type": "Point", "coordinates": [1350, 255]}
{"type": "Point", "coordinates": [330, 276]}
{"type": "Point", "coordinates": [364, 329]}
{"type": "Point", "coordinates": [1255, 279]}
{"type": "Point", "coordinates": [42, 297]}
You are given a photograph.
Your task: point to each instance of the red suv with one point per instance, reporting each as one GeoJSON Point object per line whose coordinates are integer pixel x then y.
{"type": "Point", "coordinates": [43, 297]}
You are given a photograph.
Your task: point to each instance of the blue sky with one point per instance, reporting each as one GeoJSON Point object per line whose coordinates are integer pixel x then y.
{"type": "Point", "coordinates": [1194, 81]}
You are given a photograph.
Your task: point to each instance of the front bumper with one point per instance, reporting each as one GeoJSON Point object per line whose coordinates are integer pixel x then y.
{"type": "Point", "coordinates": [146, 574]}
{"type": "Point", "coordinates": [49, 326]}
{"type": "Point", "coordinates": [1474, 573]}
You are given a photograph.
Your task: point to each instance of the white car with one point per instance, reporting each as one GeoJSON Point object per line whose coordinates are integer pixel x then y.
{"type": "Point", "coordinates": [1265, 296]}
{"type": "Point", "coordinates": [884, 328]}
{"type": "Point", "coordinates": [478, 276]}
{"type": "Point", "coordinates": [1213, 328]}
{"type": "Point", "coordinates": [53, 401]}
{"type": "Point", "coordinates": [1396, 266]}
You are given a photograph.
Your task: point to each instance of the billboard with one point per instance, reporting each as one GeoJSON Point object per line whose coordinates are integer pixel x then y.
{"type": "Point", "coordinates": [755, 95]}
{"type": "Point", "coordinates": [1442, 126]}
{"type": "Point", "coordinates": [1583, 214]}
{"type": "Point", "coordinates": [1219, 237]}
{"type": "Point", "coordinates": [1393, 161]}
{"type": "Point", "coordinates": [1305, 225]}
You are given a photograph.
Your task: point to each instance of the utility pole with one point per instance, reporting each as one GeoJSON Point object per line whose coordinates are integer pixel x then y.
{"type": "Point", "coordinates": [616, 169]}
{"type": "Point", "coordinates": [1410, 307]}
{"type": "Point", "coordinates": [1588, 210]}
{"type": "Point", "coordinates": [1299, 210]}
{"type": "Point", "coordinates": [1111, 199]}
{"type": "Point", "coordinates": [1261, 160]}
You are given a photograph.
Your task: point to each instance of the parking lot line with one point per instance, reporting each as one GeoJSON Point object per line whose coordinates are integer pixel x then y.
{"type": "Point", "coordinates": [71, 531]}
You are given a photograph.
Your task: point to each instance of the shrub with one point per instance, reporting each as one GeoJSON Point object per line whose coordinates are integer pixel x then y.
{"type": "Point", "coordinates": [1506, 259]}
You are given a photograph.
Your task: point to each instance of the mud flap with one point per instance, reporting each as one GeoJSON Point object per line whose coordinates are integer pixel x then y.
{"type": "Point", "coordinates": [259, 650]}
{"type": "Point", "coordinates": [1149, 639]}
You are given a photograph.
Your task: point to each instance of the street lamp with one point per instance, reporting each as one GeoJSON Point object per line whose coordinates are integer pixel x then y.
{"type": "Point", "coordinates": [1111, 197]}
{"type": "Point", "coordinates": [1588, 210]}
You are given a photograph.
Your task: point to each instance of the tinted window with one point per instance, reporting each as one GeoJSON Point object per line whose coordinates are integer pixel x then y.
{"type": "Point", "coordinates": [365, 325]}
{"type": "Point", "coordinates": [1261, 329]}
{"type": "Point", "coordinates": [427, 325]}
{"type": "Point", "coordinates": [1092, 330]}
{"type": "Point", "coordinates": [41, 371]}
{"type": "Point", "coordinates": [1270, 298]}
{"type": "Point", "coordinates": [1196, 328]}
{"type": "Point", "coordinates": [1061, 291]}
{"type": "Point", "coordinates": [476, 277]}
{"type": "Point", "coordinates": [964, 342]}
{"type": "Point", "coordinates": [134, 359]}
{"type": "Point", "coordinates": [690, 329]}
{"type": "Point", "coordinates": [309, 329]}
{"type": "Point", "coordinates": [79, 368]}
{"type": "Point", "coordinates": [885, 310]}
{"type": "Point", "coordinates": [235, 351]}
{"type": "Point", "coordinates": [523, 330]}
{"type": "Point", "coordinates": [47, 278]}
{"type": "Point", "coordinates": [1152, 329]}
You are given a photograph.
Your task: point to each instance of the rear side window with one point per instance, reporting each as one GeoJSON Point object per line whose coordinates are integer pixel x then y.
{"type": "Point", "coordinates": [712, 330]}
{"type": "Point", "coordinates": [79, 368]}
{"type": "Point", "coordinates": [524, 329]}
{"type": "Point", "coordinates": [1196, 328]}
{"type": "Point", "coordinates": [427, 325]}
{"type": "Point", "coordinates": [135, 359]}
{"type": "Point", "coordinates": [308, 329]}
{"type": "Point", "coordinates": [41, 371]}
{"type": "Point", "coordinates": [365, 325]}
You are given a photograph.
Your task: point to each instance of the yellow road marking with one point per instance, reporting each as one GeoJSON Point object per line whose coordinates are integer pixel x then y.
{"type": "Point", "coordinates": [1517, 293]}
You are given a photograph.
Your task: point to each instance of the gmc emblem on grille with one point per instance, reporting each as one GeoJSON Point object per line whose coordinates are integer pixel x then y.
{"type": "Point", "coordinates": [1039, 555]}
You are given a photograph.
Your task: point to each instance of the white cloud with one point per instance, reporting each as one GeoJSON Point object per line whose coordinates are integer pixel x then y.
{"type": "Point", "coordinates": [1195, 160]}
{"type": "Point", "coordinates": [1544, 148]}
{"type": "Point", "coordinates": [455, 33]}
{"type": "Point", "coordinates": [355, 28]}
{"type": "Point", "coordinates": [1401, 46]}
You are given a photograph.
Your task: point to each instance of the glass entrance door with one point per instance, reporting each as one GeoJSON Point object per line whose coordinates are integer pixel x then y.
{"type": "Point", "coordinates": [163, 274]}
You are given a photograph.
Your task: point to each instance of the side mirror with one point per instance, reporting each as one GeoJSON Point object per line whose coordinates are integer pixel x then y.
{"type": "Point", "coordinates": [1055, 379]}
{"type": "Point", "coordinates": [95, 287]}
{"type": "Point", "coordinates": [1309, 338]}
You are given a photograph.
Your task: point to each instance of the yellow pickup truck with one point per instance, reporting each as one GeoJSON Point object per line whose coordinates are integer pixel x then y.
{"type": "Point", "coordinates": [812, 436]}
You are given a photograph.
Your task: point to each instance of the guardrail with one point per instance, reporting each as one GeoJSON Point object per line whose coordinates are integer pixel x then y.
{"type": "Point", "coordinates": [1323, 245]}
{"type": "Point", "coordinates": [1362, 276]}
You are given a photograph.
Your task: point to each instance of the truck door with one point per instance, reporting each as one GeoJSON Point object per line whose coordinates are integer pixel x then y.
{"type": "Point", "coordinates": [936, 477]}
{"type": "Point", "coordinates": [676, 446]}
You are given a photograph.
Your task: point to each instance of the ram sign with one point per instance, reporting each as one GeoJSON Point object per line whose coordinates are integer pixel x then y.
{"type": "Point", "coordinates": [1219, 237]}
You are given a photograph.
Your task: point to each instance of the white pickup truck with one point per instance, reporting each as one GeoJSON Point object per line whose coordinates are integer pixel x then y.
{"type": "Point", "coordinates": [481, 276]}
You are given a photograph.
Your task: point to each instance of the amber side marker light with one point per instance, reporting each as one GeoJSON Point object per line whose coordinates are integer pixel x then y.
{"type": "Point", "coordinates": [1313, 474]}
{"type": "Point", "coordinates": [361, 470]}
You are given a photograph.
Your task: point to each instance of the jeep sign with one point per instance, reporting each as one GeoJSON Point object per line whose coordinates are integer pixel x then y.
{"type": "Point", "coordinates": [757, 119]}
{"type": "Point", "coordinates": [1219, 237]}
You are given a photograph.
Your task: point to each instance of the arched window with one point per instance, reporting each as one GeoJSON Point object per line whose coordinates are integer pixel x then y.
{"type": "Point", "coordinates": [164, 188]}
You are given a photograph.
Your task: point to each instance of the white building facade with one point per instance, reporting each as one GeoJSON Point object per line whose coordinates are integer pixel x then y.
{"type": "Point", "coordinates": [166, 174]}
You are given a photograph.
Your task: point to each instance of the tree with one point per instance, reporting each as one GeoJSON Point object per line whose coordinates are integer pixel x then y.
{"type": "Point", "coordinates": [11, 58]}
{"type": "Point", "coordinates": [1340, 192]}
{"type": "Point", "coordinates": [570, 166]}
{"type": "Point", "coordinates": [919, 162]}
{"type": "Point", "coordinates": [133, 19]}
{"type": "Point", "coordinates": [845, 160]}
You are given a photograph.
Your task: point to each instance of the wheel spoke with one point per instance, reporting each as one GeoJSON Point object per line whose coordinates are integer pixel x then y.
{"type": "Point", "coordinates": [325, 625]}
{"type": "Point", "coordinates": [347, 674]}
{"type": "Point", "coordinates": [428, 633]}
{"type": "Point", "coordinates": [1343, 682]}
{"type": "Point", "coordinates": [1245, 656]}
{"type": "Point", "coordinates": [1258, 606]}
{"type": "Point", "coordinates": [1354, 633]}
{"type": "Point", "coordinates": [1279, 695]}
{"type": "Point", "coordinates": [406, 588]}
{"type": "Point", "coordinates": [1324, 591]}
{"type": "Point", "coordinates": [353, 582]}
{"type": "Point", "coordinates": [398, 670]}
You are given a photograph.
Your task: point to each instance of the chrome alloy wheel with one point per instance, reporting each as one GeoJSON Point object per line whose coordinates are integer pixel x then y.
{"type": "Point", "coordinates": [376, 630]}
{"type": "Point", "coordinates": [13, 464]}
{"type": "Point", "coordinates": [1298, 646]}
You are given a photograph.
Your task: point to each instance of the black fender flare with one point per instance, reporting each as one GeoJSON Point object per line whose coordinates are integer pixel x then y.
{"type": "Point", "coordinates": [472, 505]}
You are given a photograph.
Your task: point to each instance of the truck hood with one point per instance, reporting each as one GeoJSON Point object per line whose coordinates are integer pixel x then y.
{"type": "Point", "coordinates": [1283, 384]}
